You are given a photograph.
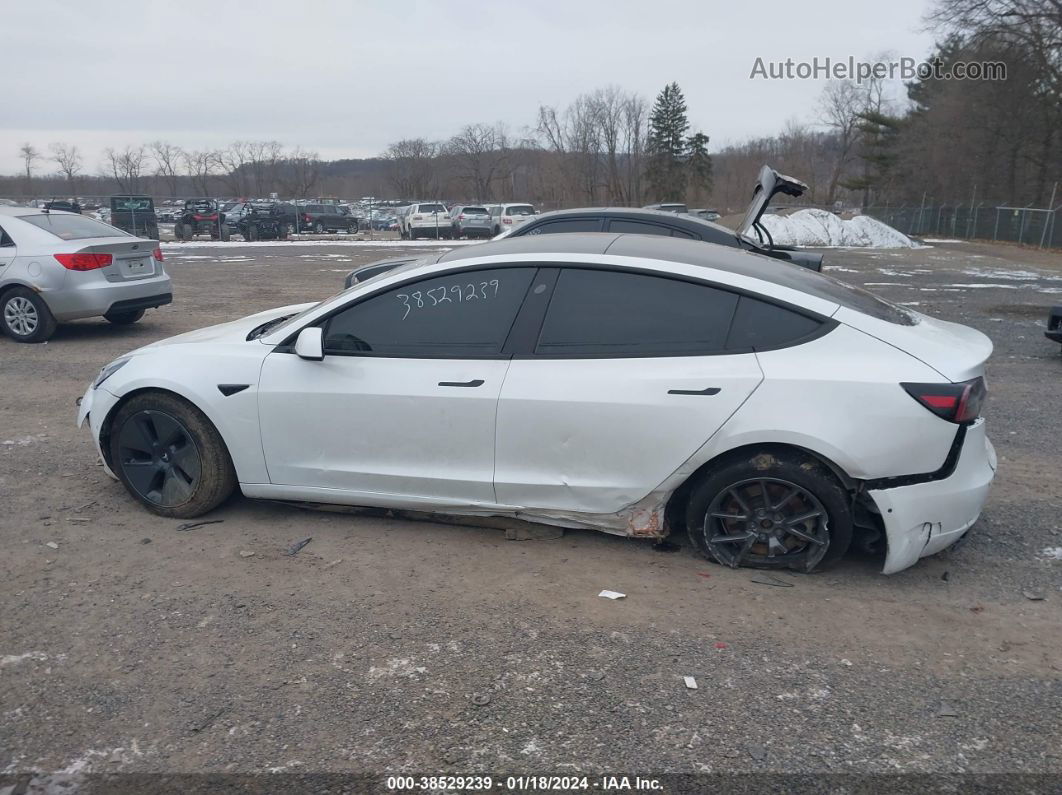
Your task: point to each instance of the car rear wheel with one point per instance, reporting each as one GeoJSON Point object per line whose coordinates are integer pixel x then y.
{"type": "Point", "coordinates": [25, 317]}
{"type": "Point", "coordinates": [170, 457]}
{"type": "Point", "coordinates": [319, 228]}
{"type": "Point", "coordinates": [771, 509]}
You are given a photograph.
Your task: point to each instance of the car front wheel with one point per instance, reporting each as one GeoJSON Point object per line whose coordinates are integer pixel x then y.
{"type": "Point", "coordinates": [170, 456]}
{"type": "Point", "coordinates": [771, 509]}
{"type": "Point", "coordinates": [25, 317]}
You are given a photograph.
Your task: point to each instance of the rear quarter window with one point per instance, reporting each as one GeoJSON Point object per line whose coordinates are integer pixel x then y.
{"type": "Point", "coordinates": [759, 325]}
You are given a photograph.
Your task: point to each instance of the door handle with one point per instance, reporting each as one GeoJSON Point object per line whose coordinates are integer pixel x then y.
{"type": "Point", "coordinates": [473, 383]}
{"type": "Point", "coordinates": [712, 390]}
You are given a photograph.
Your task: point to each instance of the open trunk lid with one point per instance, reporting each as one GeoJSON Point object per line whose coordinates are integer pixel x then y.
{"type": "Point", "coordinates": [955, 351]}
{"type": "Point", "coordinates": [770, 183]}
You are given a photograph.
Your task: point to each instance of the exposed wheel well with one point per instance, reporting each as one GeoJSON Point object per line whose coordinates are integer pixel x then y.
{"type": "Point", "coordinates": [105, 428]}
{"type": "Point", "coordinates": [675, 511]}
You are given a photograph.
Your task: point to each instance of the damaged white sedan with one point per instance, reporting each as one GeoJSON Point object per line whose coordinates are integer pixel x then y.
{"type": "Point", "coordinates": [625, 383]}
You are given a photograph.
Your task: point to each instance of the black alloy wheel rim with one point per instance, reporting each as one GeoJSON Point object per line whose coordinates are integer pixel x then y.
{"type": "Point", "coordinates": [766, 520]}
{"type": "Point", "coordinates": [159, 458]}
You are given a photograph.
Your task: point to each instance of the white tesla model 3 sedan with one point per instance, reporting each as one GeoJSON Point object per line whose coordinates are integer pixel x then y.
{"type": "Point", "coordinates": [626, 383]}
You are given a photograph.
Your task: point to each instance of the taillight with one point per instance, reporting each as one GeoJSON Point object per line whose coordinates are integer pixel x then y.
{"type": "Point", "coordinates": [84, 261]}
{"type": "Point", "coordinates": [461, 217]}
{"type": "Point", "coordinates": [157, 254]}
{"type": "Point", "coordinates": [305, 218]}
{"type": "Point", "coordinates": [507, 220]}
{"type": "Point", "coordinates": [960, 403]}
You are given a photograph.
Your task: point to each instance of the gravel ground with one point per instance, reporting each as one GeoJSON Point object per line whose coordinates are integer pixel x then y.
{"type": "Point", "coordinates": [395, 646]}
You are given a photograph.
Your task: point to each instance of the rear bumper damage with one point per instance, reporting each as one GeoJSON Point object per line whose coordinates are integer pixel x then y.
{"type": "Point", "coordinates": [921, 519]}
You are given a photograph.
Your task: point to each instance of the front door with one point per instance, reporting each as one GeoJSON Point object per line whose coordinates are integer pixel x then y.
{"type": "Point", "coordinates": [404, 402]}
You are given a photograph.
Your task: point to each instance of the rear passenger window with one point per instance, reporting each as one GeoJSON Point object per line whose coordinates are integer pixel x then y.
{"type": "Point", "coordinates": [573, 225]}
{"type": "Point", "coordinates": [637, 228]}
{"type": "Point", "coordinates": [759, 325]}
{"type": "Point", "coordinates": [607, 313]}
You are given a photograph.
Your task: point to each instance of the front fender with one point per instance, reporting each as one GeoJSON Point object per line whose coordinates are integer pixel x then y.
{"type": "Point", "coordinates": [197, 380]}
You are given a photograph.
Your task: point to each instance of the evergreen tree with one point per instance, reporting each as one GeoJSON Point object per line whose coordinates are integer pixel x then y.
{"type": "Point", "coordinates": [699, 164]}
{"type": "Point", "coordinates": [879, 133]}
{"type": "Point", "coordinates": [667, 145]}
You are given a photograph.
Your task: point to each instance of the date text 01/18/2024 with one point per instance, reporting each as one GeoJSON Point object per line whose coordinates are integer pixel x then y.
{"type": "Point", "coordinates": [448, 783]}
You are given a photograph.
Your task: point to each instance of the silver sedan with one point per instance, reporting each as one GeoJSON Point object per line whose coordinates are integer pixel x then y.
{"type": "Point", "coordinates": [58, 266]}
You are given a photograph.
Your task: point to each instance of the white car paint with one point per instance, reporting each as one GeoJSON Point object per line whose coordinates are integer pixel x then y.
{"type": "Point", "coordinates": [595, 442]}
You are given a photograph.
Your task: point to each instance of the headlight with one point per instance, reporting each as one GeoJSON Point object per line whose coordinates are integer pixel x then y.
{"type": "Point", "coordinates": [109, 370]}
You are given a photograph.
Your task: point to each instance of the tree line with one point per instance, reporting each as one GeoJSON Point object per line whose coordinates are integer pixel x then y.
{"type": "Point", "coordinates": [945, 141]}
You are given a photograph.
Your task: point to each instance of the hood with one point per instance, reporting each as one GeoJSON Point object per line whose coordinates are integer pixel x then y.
{"type": "Point", "coordinates": [955, 351]}
{"type": "Point", "coordinates": [233, 331]}
{"type": "Point", "coordinates": [770, 182]}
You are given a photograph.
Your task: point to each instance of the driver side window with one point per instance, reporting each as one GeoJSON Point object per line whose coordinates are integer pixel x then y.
{"type": "Point", "coordinates": [459, 315]}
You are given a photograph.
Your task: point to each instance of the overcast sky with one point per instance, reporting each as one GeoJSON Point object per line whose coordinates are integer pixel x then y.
{"type": "Point", "coordinates": [347, 78]}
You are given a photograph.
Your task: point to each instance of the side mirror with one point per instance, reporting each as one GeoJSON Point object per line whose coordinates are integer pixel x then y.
{"type": "Point", "coordinates": [310, 344]}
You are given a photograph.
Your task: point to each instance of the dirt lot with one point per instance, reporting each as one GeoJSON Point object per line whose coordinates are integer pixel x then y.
{"type": "Point", "coordinates": [388, 645]}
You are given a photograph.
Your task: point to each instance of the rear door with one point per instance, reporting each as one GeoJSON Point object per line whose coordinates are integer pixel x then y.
{"type": "Point", "coordinates": [7, 251]}
{"type": "Point", "coordinates": [626, 380]}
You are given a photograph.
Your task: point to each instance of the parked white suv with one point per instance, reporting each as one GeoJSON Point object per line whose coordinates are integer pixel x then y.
{"type": "Point", "coordinates": [425, 219]}
{"type": "Point", "coordinates": [506, 217]}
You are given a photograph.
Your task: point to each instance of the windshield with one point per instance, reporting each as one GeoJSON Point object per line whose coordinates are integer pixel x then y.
{"type": "Point", "coordinates": [520, 209]}
{"type": "Point", "coordinates": [72, 227]}
{"type": "Point", "coordinates": [127, 203]}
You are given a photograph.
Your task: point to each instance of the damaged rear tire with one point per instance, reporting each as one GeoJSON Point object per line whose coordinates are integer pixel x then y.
{"type": "Point", "coordinates": [771, 509]}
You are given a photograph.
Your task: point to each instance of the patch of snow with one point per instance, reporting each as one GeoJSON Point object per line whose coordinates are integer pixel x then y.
{"type": "Point", "coordinates": [940, 240]}
{"type": "Point", "coordinates": [175, 247]}
{"type": "Point", "coordinates": [823, 229]}
{"type": "Point", "coordinates": [1051, 553]}
{"type": "Point", "coordinates": [1008, 275]}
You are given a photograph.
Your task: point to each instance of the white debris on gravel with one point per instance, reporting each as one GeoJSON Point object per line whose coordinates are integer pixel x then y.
{"type": "Point", "coordinates": [15, 659]}
{"type": "Point", "coordinates": [612, 594]}
{"type": "Point", "coordinates": [823, 229]}
{"type": "Point", "coordinates": [1051, 553]}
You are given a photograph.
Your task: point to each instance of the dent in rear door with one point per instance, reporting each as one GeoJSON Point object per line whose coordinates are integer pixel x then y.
{"type": "Point", "coordinates": [595, 435]}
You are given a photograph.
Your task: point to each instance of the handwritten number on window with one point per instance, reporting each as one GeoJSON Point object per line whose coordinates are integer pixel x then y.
{"type": "Point", "coordinates": [452, 294]}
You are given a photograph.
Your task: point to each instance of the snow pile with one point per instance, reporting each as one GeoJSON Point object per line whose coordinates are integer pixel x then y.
{"type": "Point", "coordinates": [821, 228]}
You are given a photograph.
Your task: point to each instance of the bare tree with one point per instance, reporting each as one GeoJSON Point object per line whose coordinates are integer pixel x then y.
{"type": "Point", "coordinates": [231, 163]}
{"type": "Point", "coordinates": [635, 121]}
{"type": "Point", "coordinates": [68, 158]}
{"type": "Point", "coordinates": [199, 166]}
{"type": "Point", "coordinates": [841, 103]}
{"type": "Point", "coordinates": [413, 168]}
{"type": "Point", "coordinates": [126, 167]}
{"type": "Point", "coordinates": [300, 172]}
{"type": "Point", "coordinates": [263, 158]}
{"type": "Point", "coordinates": [480, 153]}
{"type": "Point", "coordinates": [30, 156]}
{"type": "Point", "coordinates": [168, 159]}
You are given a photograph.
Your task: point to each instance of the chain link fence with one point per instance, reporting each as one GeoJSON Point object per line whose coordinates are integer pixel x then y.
{"type": "Point", "coordinates": [1030, 226]}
